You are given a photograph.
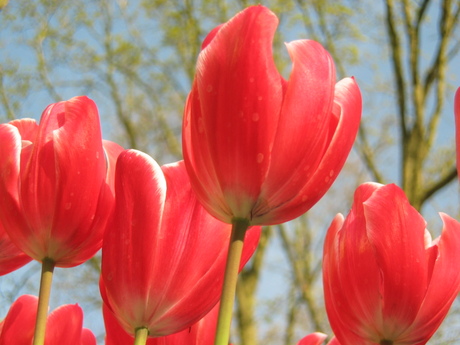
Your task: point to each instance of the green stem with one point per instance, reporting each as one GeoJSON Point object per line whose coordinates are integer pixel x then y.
{"type": "Point", "coordinates": [43, 301]}
{"type": "Point", "coordinates": [141, 335]}
{"type": "Point", "coordinates": [239, 227]}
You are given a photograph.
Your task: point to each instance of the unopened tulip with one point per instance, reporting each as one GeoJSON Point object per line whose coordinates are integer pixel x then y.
{"type": "Point", "coordinates": [385, 280]}
{"type": "Point", "coordinates": [256, 146]}
{"type": "Point", "coordinates": [53, 192]}
{"type": "Point", "coordinates": [64, 325]}
{"type": "Point", "coordinates": [163, 255]}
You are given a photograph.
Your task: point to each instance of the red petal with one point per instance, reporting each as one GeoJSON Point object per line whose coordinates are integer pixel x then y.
{"type": "Point", "coordinates": [396, 231]}
{"type": "Point", "coordinates": [19, 324]}
{"type": "Point", "coordinates": [303, 128]}
{"type": "Point", "coordinates": [313, 339]}
{"type": "Point", "coordinates": [351, 275]}
{"type": "Point", "coordinates": [343, 129]}
{"type": "Point", "coordinates": [64, 325]}
{"type": "Point", "coordinates": [443, 286]}
{"type": "Point", "coordinates": [237, 91]}
{"type": "Point", "coordinates": [132, 235]}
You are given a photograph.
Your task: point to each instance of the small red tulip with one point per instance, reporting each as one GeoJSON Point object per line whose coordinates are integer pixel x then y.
{"type": "Point", "coordinates": [64, 324]}
{"type": "Point", "coordinates": [163, 256]}
{"type": "Point", "coordinates": [256, 146]}
{"type": "Point", "coordinates": [53, 191]}
{"type": "Point", "coordinates": [385, 280]}
{"type": "Point", "coordinates": [317, 338]}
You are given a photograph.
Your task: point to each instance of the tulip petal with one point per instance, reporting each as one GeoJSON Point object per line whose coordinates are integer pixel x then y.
{"type": "Point", "coordinates": [64, 325]}
{"type": "Point", "coordinates": [141, 192]}
{"type": "Point", "coordinates": [396, 231]}
{"type": "Point", "coordinates": [11, 257]}
{"type": "Point", "coordinates": [343, 129]}
{"type": "Point", "coordinates": [444, 284]}
{"type": "Point", "coordinates": [303, 129]}
{"type": "Point", "coordinates": [353, 309]}
{"type": "Point", "coordinates": [313, 339]}
{"type": "Point", "coordinates": [18, 326]}
{"type": "Point", "coordinates": [239, 92]}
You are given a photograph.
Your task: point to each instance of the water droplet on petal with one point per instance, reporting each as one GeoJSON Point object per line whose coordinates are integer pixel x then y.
{"type": "Point", "coordinates": [209, 88]}
{"type": "Point", "coordinates": [260, 157]}
{"type": "Point", "coordinates": [97, 155]}
{"type": "Point", "coordinates": [259, 98]}
{"type": "Point", "coordinates": [251, 80]}
{"type": "Point", "coordinates": [331, 173]}
{"type": "Point", "coordinates": [67, 206]}
{"type": "Point", "coordinates": [255, 117]}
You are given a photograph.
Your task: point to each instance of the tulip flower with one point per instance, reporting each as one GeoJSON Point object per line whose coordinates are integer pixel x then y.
{"type": "Point", "coordinates": [256, 146]}
{"type": "Point", "coordinates": [259, 149]}
{"type": "Point", "coordinates": [64, 324]}
{"type": "Point", "coordinates": [385, 280]}
{"type": "Point", "coordinates": [54, 197]}
{"type": "Point", "coordinates": [457, 126]}
{"type": "Point", "coordinates": [201, 333]}
{"type": "Point", "coordinates": [163, 255]}
{"type": "Point", "coordinates": [317, 338]}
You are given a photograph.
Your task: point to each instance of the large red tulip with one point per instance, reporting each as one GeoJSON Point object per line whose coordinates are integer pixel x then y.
{"type": "Point", "coordinates": [64, 324]}
{"type": "Point", "coordinates": [53, 192]}
{"type": "Point", "coordinates": [163, 255]}
{"type": "Point", "coordinates": [256, 146]}
{"type": "Point", "coordinates": [385, 280]}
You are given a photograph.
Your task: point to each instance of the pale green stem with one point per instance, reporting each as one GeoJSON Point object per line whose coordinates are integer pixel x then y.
{"type": "Point", "coordinates": [141, 335]}
{"type": "Point", "coordinates": [43, 301]}
{"type": "Point", "coordinates": [239, 227]}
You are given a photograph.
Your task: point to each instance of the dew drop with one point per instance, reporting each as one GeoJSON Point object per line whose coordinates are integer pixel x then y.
{"type": "Point", "coordinates": [260, 157]}
{"type": "Point", "coordinates": [67, 206]}
{"type": "Point", "coordinates": [251, 80]}
{"type": "Point", "coordinates": [259, 98]}
{"type": "Point", "coordinates": [255, 117]}
{"type": "Point", "coordinates": [331, 173]}
{"type": "Point", "coordinates": [97, 155]}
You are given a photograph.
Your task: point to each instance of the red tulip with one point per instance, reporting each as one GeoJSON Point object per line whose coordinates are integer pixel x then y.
{"type": "Point", "coordinates": [256, 146]}
{"type": "Point", "coordinates": [64, 325]}
{"type": "Point", "coordinates": [385, 280]}
{"type": "Point", "coordinates": [53, 191]}
{"type": "Point", "coordinates": [163, 256]}
{"type": "Point", "coordinates": [201, 333]}
{"type": "Point", "coordinates": [317, 339]}
{"type": "Point", "coordinates": [457, 126]}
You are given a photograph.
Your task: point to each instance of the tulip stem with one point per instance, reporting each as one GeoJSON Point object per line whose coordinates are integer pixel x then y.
{"type": "Point", "coordinates": [239, 227]}
{"type": "Point", "coordinates": [43, 300]}
{"type": "Point", "coordinates": [141, 335]}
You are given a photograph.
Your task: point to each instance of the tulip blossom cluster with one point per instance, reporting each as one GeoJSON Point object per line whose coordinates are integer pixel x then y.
{"type": "Point", "coordinates": [258, 150]}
